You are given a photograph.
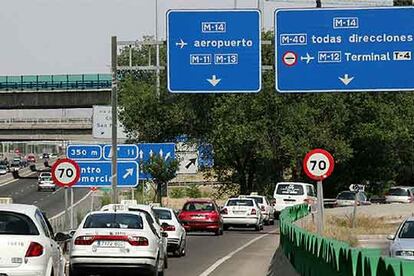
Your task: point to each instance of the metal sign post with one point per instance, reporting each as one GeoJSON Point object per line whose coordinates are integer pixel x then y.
{"type": "Point", "coordinates": [72, 218]}
{"type": "Point", "coordinates": [318, 165]}
{"type": "Point", "coordinates": [114, 101]}
{"type": "Point", "coordinates": [66, 222]}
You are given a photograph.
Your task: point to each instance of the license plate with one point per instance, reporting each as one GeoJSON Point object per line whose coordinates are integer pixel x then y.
{"type": "Point", "coordinates": [198, 217]}
{"type": "Point", "coordinates": [239, 212]}
{"type": "Point", "coordinates": [111, 244]}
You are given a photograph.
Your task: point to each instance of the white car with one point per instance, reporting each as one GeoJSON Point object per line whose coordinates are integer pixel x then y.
{"type": "Point", "coordinates": [177, 236]}
{"type": "Point", "coordinates": [402, 243]}
{"type": "Point", "coordinates": [268, 211]}
{"type": "Point", "coordinates": [3, 169]}
{"type": "Point", "coordinates": [238, 212]}
{"type": "Point", "coordinates": [116, 241]}
{"type": "Point", "coordinates": [291, 193]}
{"type": "Point", "coordinates": [46, 183]}
{"type": "Point", "coordinates": [27, 243]}
{"type": "Point", "coordinates": [400, 194]}
{"type": "Point", "coordinates": [150, 216]}
{"type": "Point", "coordinates": [347, 198]}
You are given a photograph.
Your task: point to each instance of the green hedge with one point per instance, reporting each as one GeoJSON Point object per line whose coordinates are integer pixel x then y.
{"type": "Point", "coordinates": [312, 254]}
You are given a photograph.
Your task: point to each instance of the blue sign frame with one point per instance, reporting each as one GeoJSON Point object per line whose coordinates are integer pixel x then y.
{"type": "Point", "coordinates": [214, 51]}
{"type": "Point", "coordinates": [344, 50]}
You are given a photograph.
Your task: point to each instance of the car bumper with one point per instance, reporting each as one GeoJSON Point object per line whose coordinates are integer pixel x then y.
{"type": "Point", "coordinates": [47, 186]}
{"type": "Point", "coordinates": [101, 268]}
{"type": "Point", "coordinates": [201, 226]}
{"type": "Point", "coordinates": [29, 271]}
{"type": "Point", "coordinates": [240, 221]}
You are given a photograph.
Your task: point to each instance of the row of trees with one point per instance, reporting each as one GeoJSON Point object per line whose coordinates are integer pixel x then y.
{"type": "Point", "coordinates": [260, 139]}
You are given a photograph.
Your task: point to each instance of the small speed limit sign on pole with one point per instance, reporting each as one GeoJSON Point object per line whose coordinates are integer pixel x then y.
{"type": "Point", "coordinates": [318, 164]}
{"type": "Point", "coordinates": [65, 172]}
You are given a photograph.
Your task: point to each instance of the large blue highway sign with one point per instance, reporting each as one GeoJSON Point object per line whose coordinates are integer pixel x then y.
{"type": "Point", "coordinates": [147, 150]}
{"type": "Point", "coordinates": [213, 51]}
{"type": "Point", "coordinates": [333, 50]}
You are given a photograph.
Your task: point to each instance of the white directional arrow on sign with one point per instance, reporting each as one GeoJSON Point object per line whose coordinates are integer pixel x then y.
{"type": "Point", "coordinates": [181, 44]}
{"type": "Point", "coordinates": [214, 80]}
{"type": "Point", "coordinates": [308, 58]}
{"type": "Point", "coordinates": [129, 172]}
{"type": "Point", "coordinates": [346, 79]}
{"type": "Point", "coordinates": [141, 154]}
{"type": "Point", "coordinates": [168, 155]}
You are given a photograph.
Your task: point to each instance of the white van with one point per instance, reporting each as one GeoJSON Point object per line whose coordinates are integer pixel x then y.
{"type": "Point", "coordinates": [291, 193]}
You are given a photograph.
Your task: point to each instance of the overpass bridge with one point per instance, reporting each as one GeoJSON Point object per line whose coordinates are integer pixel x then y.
{"type": "Point", "coordinates": [55, 91]}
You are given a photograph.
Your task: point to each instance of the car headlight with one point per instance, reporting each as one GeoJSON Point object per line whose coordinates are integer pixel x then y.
{"type": "Point", "coordinates": [404, 253]}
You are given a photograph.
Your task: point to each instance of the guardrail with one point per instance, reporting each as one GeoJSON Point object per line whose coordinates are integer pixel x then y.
{"type": "Point", "coordinates": [312, 254]}
{"type": "Point", "coordinates": [55, 82]}
{"type": "Point", "coordinates": [45, 120]}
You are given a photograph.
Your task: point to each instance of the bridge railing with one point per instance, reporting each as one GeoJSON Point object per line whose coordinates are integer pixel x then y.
{"type": "Point", "coordinates": [45, 120]}
{"type": "Point", "coordinates": [315, 255]}
{"type": "Point", "coordinates": [55, 82]}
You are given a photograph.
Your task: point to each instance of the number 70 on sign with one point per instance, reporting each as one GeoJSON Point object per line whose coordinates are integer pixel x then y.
{"type": "Point", "coordinates": [318, 164]}
{"type": "Point", "coordinates": [65, 172]}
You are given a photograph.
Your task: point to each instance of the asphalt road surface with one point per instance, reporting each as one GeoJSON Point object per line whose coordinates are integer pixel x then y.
{"type": "Point", "coordinates": [24, 191]}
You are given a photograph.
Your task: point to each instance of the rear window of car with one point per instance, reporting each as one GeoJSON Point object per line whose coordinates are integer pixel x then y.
{"type": "Point", "coordinates": [198, 206]}
{"type": "Point", "coordinates": [289, 189]}
{"type": "Point", "coordinates": [3, 167]}
{"type": "Point", "coordinates": [346, 196]}
{"type": "Point", "coordinates": [407, 231]}
{"type": "Point", "coordinates": [398, 192]}
{"type": "Point", "coordinates": [122, 221]}
{"type": "Point", "coordinates": [240, 202]}
{"type": "Point", "coordinates": [163, 214]}
{"type": "Point", "coordinates": [259, 200]}
{"type": "Point", "coordinates": [16, 224]}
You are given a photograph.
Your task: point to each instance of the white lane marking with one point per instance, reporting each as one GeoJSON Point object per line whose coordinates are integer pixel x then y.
{"type": "Point", "coordinates": [17, 179]}
{"type": "Point", "coordinates": [74, 205]}
{"type": "Point", "coordinates": [34, 202]}
{"type": "Point", "coordinates": [209, 270]}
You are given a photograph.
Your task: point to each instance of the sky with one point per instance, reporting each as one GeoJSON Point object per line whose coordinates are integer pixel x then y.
{"type": "Point", "coordinates": [73, 36]}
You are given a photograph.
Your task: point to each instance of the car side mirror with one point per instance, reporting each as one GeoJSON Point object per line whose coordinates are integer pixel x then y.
{"type": "Point", "coordinates": [390, 237]}
{"type": "Point", "coordinates": [164, 234]}
{"type": "Point", "coordinates": [61, 237]}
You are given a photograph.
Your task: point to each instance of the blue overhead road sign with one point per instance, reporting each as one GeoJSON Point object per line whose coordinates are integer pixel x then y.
{"type": "Point", "coordinates": [333, 50]}
{"type": "Point", "coordinates": [125, 152]}
{"type": "Point", "coordinates": [213, 51]}
{"type": "Point", "coordinates": [146, 150]}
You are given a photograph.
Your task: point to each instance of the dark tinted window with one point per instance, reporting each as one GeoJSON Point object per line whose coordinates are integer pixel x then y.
{"type": "Point", "coordinates": [346, 196]}
{"type": "Point", "coordinates": [259, 200]}
{"type": "Point", "coordinates": [289, 189]}
{"type": "Point", "coordinates": [123, 221]}
{"type": "Point", "coordinates": [399, 192]}
{"type": "Point", "coordinates": [163, 214]}
{"type": "Point", "coordinates": [199, 206]}
{"type": "Point", "coordinates": [16, 224]}
{"type": "Point", "coordinates": [407, 231]}
{"type": "Point", "coordinates": [240, 202]}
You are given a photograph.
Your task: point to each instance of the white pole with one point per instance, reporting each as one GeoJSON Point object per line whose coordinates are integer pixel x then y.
{"type": "Point", "coordinates": [235, 4]}
{"type": "Point", "coordinates": [320, 208]}
{"type": "Point", "coordinates": [66, 209]}
{"type": "Point", "coordinates": [72, 218]}
{"type": "Point", "coordinates": [157, 49]}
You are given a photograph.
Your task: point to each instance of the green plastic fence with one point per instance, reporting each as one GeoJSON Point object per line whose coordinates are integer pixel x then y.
{"type": "Point", "coordinates": [311, 254]}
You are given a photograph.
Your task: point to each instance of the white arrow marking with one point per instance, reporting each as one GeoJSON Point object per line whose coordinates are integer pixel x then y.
{"type": "Point", "coordinates": [346, 79]}
{"type": "Point", "coordinates": [182, 44]}
{"type": "Point", "coordinates": [151, 153]}
{"type": "Point", "coordinates": [161, 153]}
{"type": "Point", "coordinates": [308, 58]}
{"type": "Point", "coordinates": [129, 172]}
{"type": "Point", "coordinates": [214, 80]}
{"type": "Point", "coordinates": [141, 154]}
{"type": "Point", "coordinates": [168, 155]}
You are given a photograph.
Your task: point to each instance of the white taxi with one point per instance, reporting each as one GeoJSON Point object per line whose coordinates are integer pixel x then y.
{"type": "Point", "coordinates": [239, 212]}
{"type": "Point", "coordinates": [177, 237]}
{"type": "Point", "coordinates": [268, 211]}
{"type": "Point", "coordinates": [27, 243]}
{"type": "Point", "coordinates": [116, 241]}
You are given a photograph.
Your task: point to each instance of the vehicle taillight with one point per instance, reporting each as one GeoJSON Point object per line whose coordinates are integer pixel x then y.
{"type": "Point", "coordinates": [224, 211]}
{"type": "Point", "coordinates": [34, 250]}
{"type": "Point", "coordinates": [253, 212]}
{"type": "Point", "coordinates": [138, 241]}
{"type": "Point", "coordinates": [84, 240]}
{"type": "Point", "coordinates": [168, 228]}
{"type": "Point", "coordinates": [263, 208]}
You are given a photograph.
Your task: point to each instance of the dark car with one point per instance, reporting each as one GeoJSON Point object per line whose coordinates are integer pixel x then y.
{"type": "Point", "coordinates": [201, 215]}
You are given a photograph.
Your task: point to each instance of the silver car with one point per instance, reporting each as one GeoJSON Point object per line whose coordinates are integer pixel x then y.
{"type": "Point", "coordinates": [402, 243]}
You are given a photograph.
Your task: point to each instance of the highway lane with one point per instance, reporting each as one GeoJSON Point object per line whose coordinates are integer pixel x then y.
{"type": "Point", "coordinates": [240, 252]}
{"type": "Point", "coordinates": [24, 191]}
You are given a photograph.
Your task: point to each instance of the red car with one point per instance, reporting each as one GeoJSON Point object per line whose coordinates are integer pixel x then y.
{"type": "Point", "coordinates": [201, 215]}
{"type": "Point", "coordinates": [31, 159]}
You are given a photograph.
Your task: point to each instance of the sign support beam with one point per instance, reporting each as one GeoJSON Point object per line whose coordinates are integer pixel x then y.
{"type": "Point", "coordinates": [320, 215]}
{"type": "Point", "coordinates": [114, 101]}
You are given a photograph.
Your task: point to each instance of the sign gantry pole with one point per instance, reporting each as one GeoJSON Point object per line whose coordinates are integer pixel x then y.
{"type": "Point", "coordinates": [114, 101]}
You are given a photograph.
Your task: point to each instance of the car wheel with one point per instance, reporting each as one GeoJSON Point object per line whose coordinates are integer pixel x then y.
{"type": "Point", "coordinates": [226, 227]}
{"type": "Point", "coordinates": [166, 261]}
{"type": "Point", "coordinates": [258, 227]}
{"type": "Point", "coordinates": [73, 272]}
{"type": "Point", "coordinates": [272, 222]}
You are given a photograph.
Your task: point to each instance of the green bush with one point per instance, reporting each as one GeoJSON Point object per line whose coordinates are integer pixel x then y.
{"type": "Point", "coordinates": [193, 191]}
{"type": "Point", "coordinates": [106, 199]}
{"type": "Point", "coordinates": [177, 193]}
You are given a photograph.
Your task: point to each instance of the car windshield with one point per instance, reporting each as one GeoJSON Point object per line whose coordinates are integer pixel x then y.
{"type": "Point", "coordinates": [16, 224]}
{"type": "Point", "coordinates": [240, 202]}
{"type": "Point", "coordinates": [123, 221]}
{"type": "Point", "coordinates": [3, 167]}
{"type": "Point", "coordinates": [199, 206]}
{"type": "Point", "coordinates": [289, 189]}
{"type": "Point", "coordinates": [407, 231]}
{"type": "Point", "coordinates": [346, 196]}
{"type": "Point", "coordinates": [259, 200]}
{"type": "Point", "coordinates": [163, 214]}
{"type": "Point", "coordinates": [46, 178]}
{"type": "Point", "coordinates": [398, 192]}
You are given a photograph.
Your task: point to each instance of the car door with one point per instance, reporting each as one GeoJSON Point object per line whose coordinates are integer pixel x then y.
{"type": "Point", "coordinates": [52, 248]}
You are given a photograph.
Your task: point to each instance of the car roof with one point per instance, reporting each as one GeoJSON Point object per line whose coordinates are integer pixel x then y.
{"type": "Point", "coordinates": [26, 209]}
{"type": "Point", "coordinates": [293, 183]}
{"type": "Point", "coordinates": [200, 201]}
{"type": "Point", "coordinates": [241, 198]}
{"type": "Point", "coordinates": [401, 187]}
{"type": "Point", "coordinates": [163, 208]}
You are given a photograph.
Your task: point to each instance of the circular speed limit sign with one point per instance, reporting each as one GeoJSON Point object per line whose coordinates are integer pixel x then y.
{"type": "Point", "coordinates": [318, 164]}
{"type": "Point", "coordinates": [65, 172]}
